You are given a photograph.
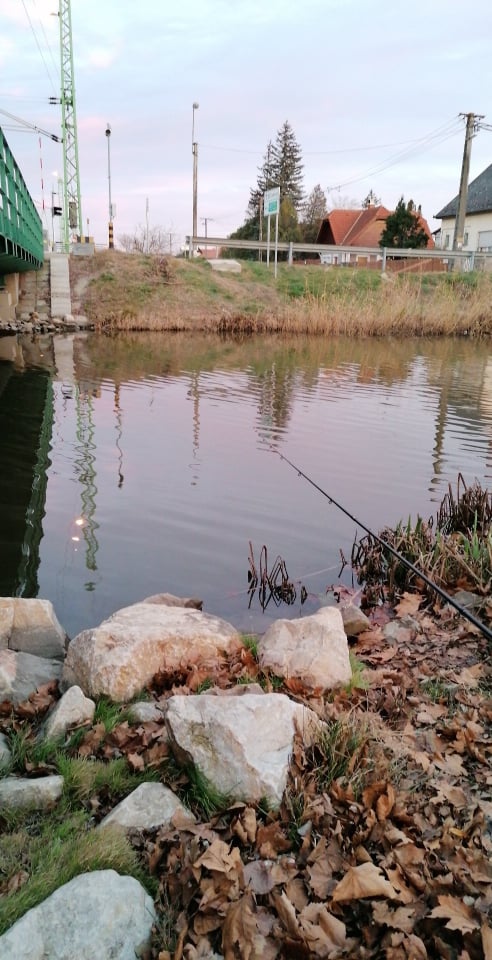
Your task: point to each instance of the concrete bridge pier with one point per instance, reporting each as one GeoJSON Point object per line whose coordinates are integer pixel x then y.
{"type": "Point", "coordinates": [9, 297]}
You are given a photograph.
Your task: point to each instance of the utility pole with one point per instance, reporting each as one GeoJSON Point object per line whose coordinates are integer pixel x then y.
{"type": "Point", "coordinates": [206, 220]}
{"type": "Point", "coordinates": [72, 207]}
{"type": "Point", "coordinates": [472, 126]}
{"type": "Point", "coordinates": [194, 147]}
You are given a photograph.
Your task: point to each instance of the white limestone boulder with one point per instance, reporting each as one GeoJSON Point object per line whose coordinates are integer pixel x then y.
{"type": "Point", "coordinates": [118, 658]}
{"type": "Point", "coordinates": [242, 745]}
{"type": "Point", "coordinates": [170, 600]}
{"type": "Point", "coordinates": [99, 914]}
{"type": "Point", "coordinates": [354, 620]}
{"type": "Point", "coordinates": [22, 673]}
{"type": "Point", "coordinates": [313, 650]}
{"type": "Point", "coordinates": [5, 754]}
{"type": "Point", "coordinates": [31, 626]}
{"type": "Point", "coordinates": [73, 710]}
{"type": "Point", "coordinates": [146, 711]}
{"type": "Point", "coordinates": [40, 793]}
{"type": "Point", "coordinates": [150, 805]}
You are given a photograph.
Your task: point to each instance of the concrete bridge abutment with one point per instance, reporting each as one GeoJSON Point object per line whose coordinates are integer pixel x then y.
{"type": "Point", "coordinates": [9, 297]}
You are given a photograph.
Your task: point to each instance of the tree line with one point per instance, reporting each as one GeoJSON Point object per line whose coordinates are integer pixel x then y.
{"type": "Point", "coordinates": [301, 215]}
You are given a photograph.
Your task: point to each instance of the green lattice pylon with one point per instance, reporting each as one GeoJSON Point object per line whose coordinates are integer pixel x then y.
{"type": "Point", "coordinates": [72, 207]}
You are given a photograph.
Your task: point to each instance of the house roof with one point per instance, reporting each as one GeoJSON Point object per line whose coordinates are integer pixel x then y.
{"type": "Point", "coordinates": [358, 228]}
{"type": "Point", "coordinates": [479, 199]}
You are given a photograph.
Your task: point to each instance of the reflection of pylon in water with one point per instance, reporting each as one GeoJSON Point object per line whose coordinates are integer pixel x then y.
{"type": "Point", "coordinates": [119, 433]}
{"type": "Point", "coordinates": [194, 395]}
{"type": "Point", "coordinates": [86, 474]}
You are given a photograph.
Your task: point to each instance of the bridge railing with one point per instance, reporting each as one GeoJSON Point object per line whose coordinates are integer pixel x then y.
{"type": "Point", "coordinates": [21, 229]}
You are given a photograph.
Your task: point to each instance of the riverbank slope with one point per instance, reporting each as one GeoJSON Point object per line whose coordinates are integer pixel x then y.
{"type": "Point", "coordinates": [119, 291]}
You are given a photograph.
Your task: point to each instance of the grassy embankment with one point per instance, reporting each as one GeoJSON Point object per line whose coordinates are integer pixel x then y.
{"type": "Point", "coordinates": [121, 292]}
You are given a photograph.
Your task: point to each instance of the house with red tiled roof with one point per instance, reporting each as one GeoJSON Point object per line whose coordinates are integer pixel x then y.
{"type": "Point", "coordinates": [358, 228]}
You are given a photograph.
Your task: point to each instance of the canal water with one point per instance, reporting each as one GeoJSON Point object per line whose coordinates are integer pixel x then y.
{"type": "Point", "coordinates": [150, 462]}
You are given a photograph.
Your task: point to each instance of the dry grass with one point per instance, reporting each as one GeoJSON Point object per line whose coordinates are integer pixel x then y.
{"type": "Point", "coordinates": [123, 292]}
{"type": "Point", "coordinates": [453, 550]}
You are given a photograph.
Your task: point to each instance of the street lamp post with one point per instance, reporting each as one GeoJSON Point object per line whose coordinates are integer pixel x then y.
{"type": "Point", "coordinates": [110, 221]}
{"type": "Point", "coordinates": [194, 147]}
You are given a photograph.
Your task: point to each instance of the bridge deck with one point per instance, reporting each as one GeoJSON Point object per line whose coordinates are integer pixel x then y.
{"type": "Point", "coordinates": [21, 230]}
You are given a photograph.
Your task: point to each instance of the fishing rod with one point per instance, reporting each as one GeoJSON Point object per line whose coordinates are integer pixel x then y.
{"type": "Point", "coordinates": [430, 583]}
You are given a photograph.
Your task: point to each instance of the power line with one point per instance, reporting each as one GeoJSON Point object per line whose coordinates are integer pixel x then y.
{"type": "Point", "coordinates": [409, 144]}
{"type": "Point", "coordinates": [431, 140]}
{"type": "Point", "coordinates": [48, 45]}
{"type": "Point", "coordinates": [53, 85]}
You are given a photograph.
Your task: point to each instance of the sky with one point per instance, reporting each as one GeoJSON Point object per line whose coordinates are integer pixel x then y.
{"type": "Point", "coordinates": [373, 91]}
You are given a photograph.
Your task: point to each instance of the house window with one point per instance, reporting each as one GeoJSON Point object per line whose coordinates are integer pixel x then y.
{"type": "Point", "coordinates": [446, 241]}
{"type": "Point", "coordinates": [465, 238]}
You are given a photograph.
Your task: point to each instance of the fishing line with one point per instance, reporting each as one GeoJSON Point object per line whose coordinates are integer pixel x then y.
{"type": "Point", "coordinates": [430, 583]}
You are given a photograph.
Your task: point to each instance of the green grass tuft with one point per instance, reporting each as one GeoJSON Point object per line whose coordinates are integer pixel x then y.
{"type": "Point", "coordinates": [359, 679]}
{"type": "Point", "coordinates": [61, 848]}
{"type": "Point", "coordinates": [203, 794]}
{"type": "Point", "coordinates": [340, 753]}
{"type": "Point", "coordinates": [250, 641]}
{"type": "Point", "coordinates": [84, 778]}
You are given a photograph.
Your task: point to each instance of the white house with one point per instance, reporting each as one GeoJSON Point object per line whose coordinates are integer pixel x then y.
{"type": "Point", "coordinates": [477, 234]}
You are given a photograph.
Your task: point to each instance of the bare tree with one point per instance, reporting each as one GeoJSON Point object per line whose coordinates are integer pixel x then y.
{"type": "Point", "coordinates": [339, 202]}
{"type": "Point", "coordinates": [154, 240]}
{"type": "Point", "coordinates": [313, 212]}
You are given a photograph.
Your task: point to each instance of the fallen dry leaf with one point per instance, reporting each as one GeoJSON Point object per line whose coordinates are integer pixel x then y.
{"type": "Point", "coordinates": [219, 858]}
{"type": "Point", "coordinates": [366, 880]}
{"type": "Point", "coordinates": [333, 929]}
{"type": "Point", "coordinates": [286, 913]}
{"type": "Point", "coordinates": [136, 761]}
{"type": "Point", "coordinates": [458, 914]}
{"type": "Point", "coordinates": [487, 941]}
{"type": "Point", "coordinates": [263, 875]}
{"type": "Point", "coordinates": [403, 918]}
{"type": "Point", "coordinates": [271, 840]}
{"type": "Point", "coordinates": [409, 604]}
{"type": "Point", "coordinates": [40, 701]}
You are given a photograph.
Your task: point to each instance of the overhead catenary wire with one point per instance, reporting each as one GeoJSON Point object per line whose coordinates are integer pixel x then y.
{"type": "Point", "coordinates": [53, 85]}
{"type": "Point", "coordinates": [399, 556]}
{"type": "Point", "coordinates": [25, 126]}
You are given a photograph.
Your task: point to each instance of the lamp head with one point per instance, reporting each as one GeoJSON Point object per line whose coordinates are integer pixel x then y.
{"type": "Point", "coordinates": [108, 130]}
{"type": "Point", "coordinates": [195, 106]}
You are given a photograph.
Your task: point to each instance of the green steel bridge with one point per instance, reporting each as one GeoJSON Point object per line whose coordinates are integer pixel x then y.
{"type": "Point", "coordinates": [21, 230]}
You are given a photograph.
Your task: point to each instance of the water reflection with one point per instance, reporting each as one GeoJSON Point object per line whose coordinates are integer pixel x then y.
{"type": "Point", "coordinates": [166, 447]}
{"type": "Point", "coordinates": [26, 411]}
{"type": "Point", "coordinates": [85, 470]}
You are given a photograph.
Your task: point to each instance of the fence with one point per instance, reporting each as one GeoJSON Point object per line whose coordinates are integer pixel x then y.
{"type": "Point", "coordinates": [384, 259]}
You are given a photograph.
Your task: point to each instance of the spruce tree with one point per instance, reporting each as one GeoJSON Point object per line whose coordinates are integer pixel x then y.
{"type": "Point", "coordinates": [403, 228]}
{"type": "Point", "coordinates": [282, 167]}
{"type": "Point", "coordinates": [287, 166]}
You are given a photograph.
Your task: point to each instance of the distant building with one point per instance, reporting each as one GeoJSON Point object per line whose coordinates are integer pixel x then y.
{"type": "Point", "coordinates": [357, 228]}
{"type": "Point", "coordinates": [477, 234]}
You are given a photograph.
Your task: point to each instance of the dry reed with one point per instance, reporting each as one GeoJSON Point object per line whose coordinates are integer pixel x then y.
{"type": "Point", "coordinates": [129, 293]}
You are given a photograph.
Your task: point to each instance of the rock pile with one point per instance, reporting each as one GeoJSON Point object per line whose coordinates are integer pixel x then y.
{"type": "Point", "coordinates": [239, 739]}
